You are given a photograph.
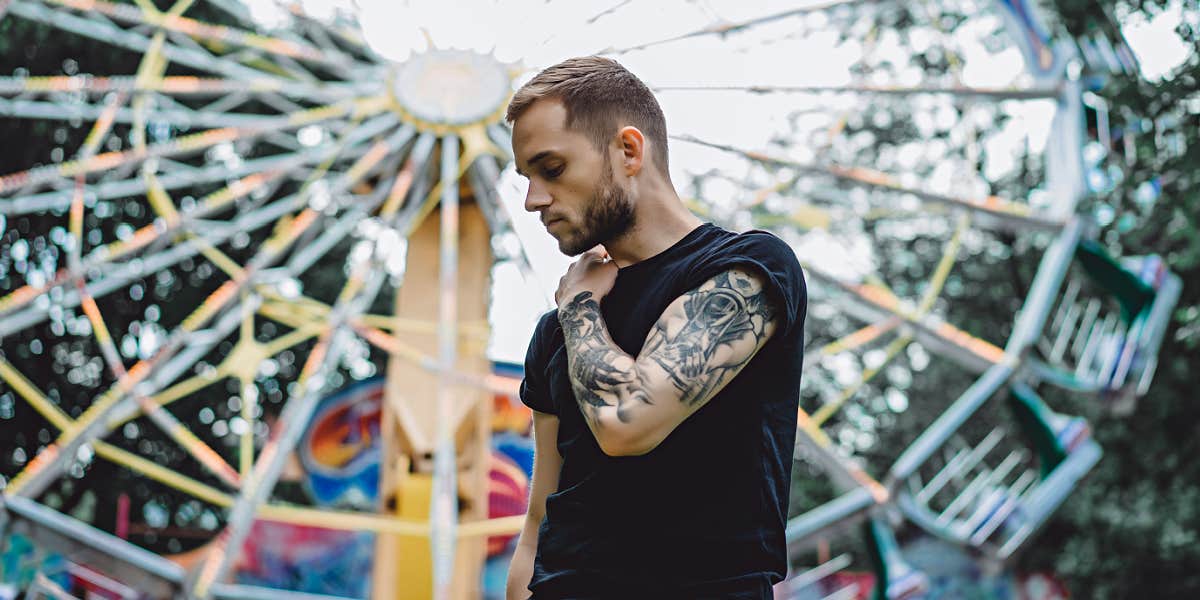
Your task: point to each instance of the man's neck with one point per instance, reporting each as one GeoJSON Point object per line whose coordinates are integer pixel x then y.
{"type": "Point", "coordinates": [659, 223]}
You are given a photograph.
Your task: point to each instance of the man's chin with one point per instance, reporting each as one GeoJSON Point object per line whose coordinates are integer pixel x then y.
{"type": "Point", "coordinates": [571, 247]}
{"type": "Point", "coordinates": [569, 250]}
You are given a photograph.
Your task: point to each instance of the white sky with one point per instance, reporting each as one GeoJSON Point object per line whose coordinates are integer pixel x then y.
{"type": "Point", "coordinates": [794, 51]}
{"type": "Point", "coordinates": [1158, 48]}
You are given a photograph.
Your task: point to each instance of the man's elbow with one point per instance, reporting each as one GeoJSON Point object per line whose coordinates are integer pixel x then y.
{"type": "Point", "coordinates": [535, 513]}
{"type": "Point", "coordinates": [627, 441]}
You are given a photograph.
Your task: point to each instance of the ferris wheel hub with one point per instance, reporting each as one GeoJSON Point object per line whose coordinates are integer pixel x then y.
{"type": "Point", "coordinates": [451, 88]}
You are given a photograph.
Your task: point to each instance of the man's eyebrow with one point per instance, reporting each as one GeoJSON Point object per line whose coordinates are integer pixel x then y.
{"type": "Point", "coordinates": [535, 160]}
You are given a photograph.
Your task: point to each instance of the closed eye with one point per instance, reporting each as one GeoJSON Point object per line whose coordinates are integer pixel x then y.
{"type": "Point", "coordinates": [554, 172]}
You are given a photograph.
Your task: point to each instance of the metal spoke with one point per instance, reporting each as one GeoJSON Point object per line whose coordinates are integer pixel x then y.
{"type": "Point", "coordinates": [124, 13]}
{"type": "Point", "coordinates": [115, 279]}
{"type": "Point", "coordinates": [727, 27]}
{"type": "Point", "coordinates": [174, 85]}
{"type": "Point", "coordinates": [107, 32]}
{"type": "Point", "coordinates": [54, 111]}
{"type": "Point", "coordinates": [956, 91]}
{"type": "Point", "coordinates": [39, 474]}
{"type": "Point", "coordinates": [50, 201]}
{"type": "Point", "coordinates": [972, 353]}
{"type": "Point", "coordinates": [187, 144]}
{"type": "Point", "coordinates": [993, 210]}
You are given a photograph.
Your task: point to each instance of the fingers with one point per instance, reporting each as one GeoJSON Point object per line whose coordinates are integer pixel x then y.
{"type": "Point", "coordinates": [598, 251]}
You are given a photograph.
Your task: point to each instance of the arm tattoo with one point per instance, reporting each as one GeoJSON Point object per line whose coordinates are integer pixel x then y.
{"type": "Point", "coordinates": [601, 374]}
{"type": "Point", "coordinates": [724, 323]}
{"type": "Point", "coordinates": [721, 317]}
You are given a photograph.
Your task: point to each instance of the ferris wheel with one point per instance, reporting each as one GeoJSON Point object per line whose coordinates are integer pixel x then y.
{"type": "Point", "coordinates": [303, 186]}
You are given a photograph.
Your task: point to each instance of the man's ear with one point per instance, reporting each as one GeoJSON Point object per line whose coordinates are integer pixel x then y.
{"type": "Point", "coordinates": [633, 149]}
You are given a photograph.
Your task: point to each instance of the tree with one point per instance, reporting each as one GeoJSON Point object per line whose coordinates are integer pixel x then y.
{"type": "Point", "coordinates": [1132, 529]}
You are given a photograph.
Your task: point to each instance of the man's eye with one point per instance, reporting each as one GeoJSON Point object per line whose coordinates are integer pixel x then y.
{"type": "Point", "coordinates": [553, 172]}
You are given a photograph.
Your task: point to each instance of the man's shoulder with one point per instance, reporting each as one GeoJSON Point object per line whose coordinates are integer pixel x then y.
{"type": "Point", "coordinates": [722, 242]}
{"type": "Point", "coordinates": [756, 247]}
{"type": "Point", "coordinates": [766, 255]}
{"type": "Point", "coordinates": [762, 242]}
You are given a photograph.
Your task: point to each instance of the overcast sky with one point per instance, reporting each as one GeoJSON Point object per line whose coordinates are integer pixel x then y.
{"type": "Point", "coordinates": [795, 51]}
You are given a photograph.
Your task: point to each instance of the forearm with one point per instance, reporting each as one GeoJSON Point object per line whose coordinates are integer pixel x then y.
{"type": "Point", "coordinates": [609, 384]}
{"type": "Point", "coordinates": [520, 568]}
{"type": "Point", "coordinates": [547, 463]}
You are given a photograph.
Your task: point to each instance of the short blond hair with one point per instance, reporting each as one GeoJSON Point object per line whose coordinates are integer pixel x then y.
{"type": "Point", "coordinates": [599, 96]}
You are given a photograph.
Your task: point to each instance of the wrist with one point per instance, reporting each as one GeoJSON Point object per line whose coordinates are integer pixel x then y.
{"type": "Point", "coordinates": [574, 300]}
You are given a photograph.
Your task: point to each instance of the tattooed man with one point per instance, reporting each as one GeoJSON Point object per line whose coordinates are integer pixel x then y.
{"type": "Point", "coordinates": [665, 385]}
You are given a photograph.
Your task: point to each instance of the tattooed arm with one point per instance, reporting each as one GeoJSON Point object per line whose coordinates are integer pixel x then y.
{"type": "Point", "coordinates": [702, 340]}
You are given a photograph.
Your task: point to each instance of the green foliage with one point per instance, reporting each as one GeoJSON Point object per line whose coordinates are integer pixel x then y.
{"type": "Point", "coordinates": [1133, 529]}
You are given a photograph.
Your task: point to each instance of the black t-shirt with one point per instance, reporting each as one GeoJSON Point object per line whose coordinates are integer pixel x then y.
{"type": "Point", "coordinates": [703, 514]}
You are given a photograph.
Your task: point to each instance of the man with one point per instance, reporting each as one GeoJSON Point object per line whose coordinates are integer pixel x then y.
{"type": "Point", "coordinates": [665, 385]}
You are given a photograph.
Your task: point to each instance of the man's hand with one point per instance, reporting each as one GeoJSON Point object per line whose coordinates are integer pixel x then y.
{"type": "Point", "coordinates": [594, 272]}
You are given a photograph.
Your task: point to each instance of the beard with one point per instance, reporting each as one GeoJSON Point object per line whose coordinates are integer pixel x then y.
{"type": "Point", "coordinates": [609, 214]}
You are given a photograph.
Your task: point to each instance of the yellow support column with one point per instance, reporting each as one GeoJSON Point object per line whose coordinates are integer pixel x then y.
{"type": "Point", "coordinates": [403, 564]}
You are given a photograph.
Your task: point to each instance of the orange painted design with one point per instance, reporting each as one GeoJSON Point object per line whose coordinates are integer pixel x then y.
{"type": "Point", "coordinates": [315, 358]}
{"type": "Point", "coordinates": [510, 414]}
{"type": "Point", "coordinates": [76, 217]}
{"type": "Point", "coordinates": [20, 296]}
{"type": "Point", "coordinates": [368, 160]}
{"type": "Point", "coordinates": [865, 335]}
{"type": "Point", "coordinates": [39, 462]}
{"type": "Point", "coordinates": [103, 124]}
{"type": "Point", "coordinates": [93, 314]}
{"type": "Point", "coordinates": [810, 427]}
{"type": "Point", "coordinates": [877, 295]}
{"type": "Point", "coordinates": [238, 189]}
{"type": "Point", "coordinates": [139, 371]}
{"type": "Point", "coordinates": [221, 294]}
{"type": "Point", "coordinates": [208, 573]}
{"type": "Point", "coordinates": [206, 455]}
{"type": "Point", "coordinates": [378, 338]}
{"type": "Point", "coordinates": [864, 175]}
{"type": "Point", "coordinates": [302, 222]}
{"type": "Point", "coordinates": [977, 346]}
{"type": "Point", "coordinates": [399, 190]}
{"type": "Point", "coordinates": [99, 162]}
{"type": "Point", "coordinates": [344, 432]}
{"type": "Point", "coordinates": [147, 234]}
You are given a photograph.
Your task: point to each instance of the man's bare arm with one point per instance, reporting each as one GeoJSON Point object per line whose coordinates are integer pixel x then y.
{"type": "Point", "coordinates": [701, 341]}
{"type": "Point", "coordinates": [546, 465]}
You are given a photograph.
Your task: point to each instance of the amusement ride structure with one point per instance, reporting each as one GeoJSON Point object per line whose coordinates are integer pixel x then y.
{"type": "Point", "coordinates": [340, 209]}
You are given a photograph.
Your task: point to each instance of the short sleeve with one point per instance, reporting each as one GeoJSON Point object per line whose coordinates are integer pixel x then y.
{"type": "Point", "coordinates": [535, 393]}
{"type": "Point", "coordinates": [764, 253]}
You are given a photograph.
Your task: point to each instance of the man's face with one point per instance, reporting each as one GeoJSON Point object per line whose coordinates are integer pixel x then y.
{"type": "Point", "coordinates": [570, 184]}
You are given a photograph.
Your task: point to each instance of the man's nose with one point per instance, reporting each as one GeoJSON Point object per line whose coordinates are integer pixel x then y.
{"type": "Point", "coordinates": [537, 197]}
